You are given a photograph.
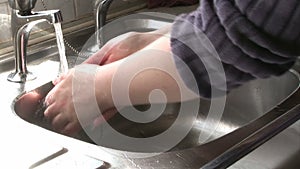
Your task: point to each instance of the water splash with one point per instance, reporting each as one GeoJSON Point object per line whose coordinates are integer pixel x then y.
{"type": "Point", "coordinates": [63, 66]}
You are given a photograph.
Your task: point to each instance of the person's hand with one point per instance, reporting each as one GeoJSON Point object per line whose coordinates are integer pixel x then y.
{"type": "Point", "coordinates": [61, 101]}
{"type": "Point", "coordinates": [60, 110]}
{"type": "Point", "coordinates": [120, 47]}
{"type": "Point", "coordinates": [124, 45]}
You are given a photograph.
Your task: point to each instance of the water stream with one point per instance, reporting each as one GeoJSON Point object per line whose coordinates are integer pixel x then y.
{"type": "Point", "coordinates": [63, 66]}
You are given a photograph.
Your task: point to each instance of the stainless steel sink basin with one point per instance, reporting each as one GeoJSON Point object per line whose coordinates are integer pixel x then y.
{"type": "Point", "coordinates": [243, 106]}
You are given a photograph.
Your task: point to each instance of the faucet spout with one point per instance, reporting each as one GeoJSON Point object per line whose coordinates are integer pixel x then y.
{"type": "Point", "coordinates": [21, 26]}
{"type": "Point", "coordinates": [101, 10]}
{"type": "Point", "coordinates": [51, 16]}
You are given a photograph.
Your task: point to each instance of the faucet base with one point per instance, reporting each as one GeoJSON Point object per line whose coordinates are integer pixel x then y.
{"type": "Point", "coordinates": [19, 77]}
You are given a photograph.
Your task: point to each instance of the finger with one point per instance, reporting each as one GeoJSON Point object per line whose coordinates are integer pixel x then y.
{"type": "Point", "coordinates": [95, 58]}
{"type": "Point", "coordinates": [71, 128]}
{"type": "Point", "coordinates": [49, 100]}
{"type": "Point", "coordinates": [59, 122]}
{"type": "Point", "coordinates": [109, 55]}
{"type": "Point", "coordinates": [51, 112]}
{"type": "Point", "coordinates": [100, 57]}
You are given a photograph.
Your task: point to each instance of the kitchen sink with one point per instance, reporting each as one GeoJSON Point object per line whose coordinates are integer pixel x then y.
{"type": "Point", "coordinates": [248, 109]}
{"type": "Point", "coordinates": [243, 105]}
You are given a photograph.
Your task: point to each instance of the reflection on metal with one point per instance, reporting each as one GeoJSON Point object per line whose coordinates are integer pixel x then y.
{"type": "Point", "coordinates": [255, 140]}
{"type": "Point", "coordinates": [240, 135]}
{"type": "Point", "coordinates": [22, 22]}
{"type": "Point", "coordinates": [250, 110]}
{"type": "Point", "coordinates": [101, 9]}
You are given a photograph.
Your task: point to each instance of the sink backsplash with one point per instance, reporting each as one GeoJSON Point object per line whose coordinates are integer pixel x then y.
{"type": "Point", "coordinates": [72, 10]}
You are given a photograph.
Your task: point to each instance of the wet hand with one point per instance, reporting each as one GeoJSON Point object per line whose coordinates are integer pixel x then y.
{"type": "Point", "coordinates": [121, 47]}
{"type": "Point", "coordinates": [72, 103]}
{"type": "Point", "coordinates": [60, 110]}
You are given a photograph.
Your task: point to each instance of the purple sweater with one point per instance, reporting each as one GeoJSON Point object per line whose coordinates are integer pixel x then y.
{"type": "Point", "coordinates": [253, 39]}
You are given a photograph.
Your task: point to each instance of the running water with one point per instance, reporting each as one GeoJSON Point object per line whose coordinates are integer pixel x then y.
{"type": "Point", "coordinates": [63, 66]}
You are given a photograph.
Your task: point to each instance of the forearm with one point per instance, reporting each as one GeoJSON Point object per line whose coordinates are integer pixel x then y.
{"type": "Point", "coordinates": [163, 31]}
{"type": "Point", "coordinates": [146, 38]}
{"type": "Point", "coordinates": [125, 45]}
{"type": "Point", "coordinates": [137, 76]}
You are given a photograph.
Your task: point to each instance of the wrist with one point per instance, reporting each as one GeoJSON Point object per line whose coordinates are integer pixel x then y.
{"type": "Point", "coordinates": [102, 84]}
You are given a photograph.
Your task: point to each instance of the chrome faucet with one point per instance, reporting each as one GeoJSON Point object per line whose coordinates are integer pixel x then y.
{"type": "Point", "coordinates": [101, 10]}
{"type": "Point", "coordinates": [23, 19]}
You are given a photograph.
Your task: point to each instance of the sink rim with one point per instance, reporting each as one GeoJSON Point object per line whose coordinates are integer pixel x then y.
{"type": "Point", "coordinates": [200, 148]}
{"type": "Point", "coordinates": [13, 108]}
{"type": "Point", "coordinates": [173, 154]}
{"type": "Point", "coordinates": [294, 72]}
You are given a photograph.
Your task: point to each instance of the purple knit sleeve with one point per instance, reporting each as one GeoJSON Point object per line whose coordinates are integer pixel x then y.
{"type": "Point", "coordinates": [252, 39]}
